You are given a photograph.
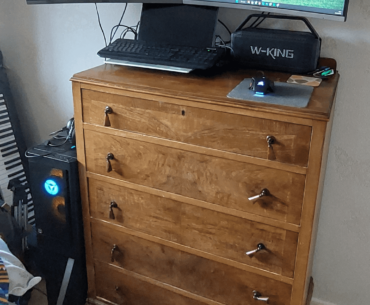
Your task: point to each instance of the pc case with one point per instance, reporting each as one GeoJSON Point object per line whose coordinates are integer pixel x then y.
{"type": "Point", "coordinates": [60, 244]}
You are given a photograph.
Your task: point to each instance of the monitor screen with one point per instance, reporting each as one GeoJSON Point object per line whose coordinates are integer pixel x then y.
{"type": "Point", "coordinates": [324, 9]}
{"type": "Point", "coordinates": [101, 1]}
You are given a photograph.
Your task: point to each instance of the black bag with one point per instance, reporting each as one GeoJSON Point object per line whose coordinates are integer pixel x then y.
{"type": "Point", "coordinates": [278, 50]}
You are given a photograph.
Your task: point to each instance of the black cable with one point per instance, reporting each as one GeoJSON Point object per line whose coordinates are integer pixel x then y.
{"type": "Point", "coordinates": [126, 30]}
{"type": "Point", "coordinates": [27, 155]}
{"type": "Point", "coordinates": [56, 145]}
{"type": "Point", "coordinates": [116, 28]}
{"type": "Point", "coordinates": [224, 44]}
{"type": "Point", "coordinates": [255, 21]}
{"type": "Point", "coordinates": [224, 26]}
{"type": "Point", "coordinates": [133, 29]}
{"type": "Point", "coordinates": [101, 28]}
{"type": "Point", "coordinates": [220, 38]}
{"type": "Point", "coordinates": [263, 19]}
{"type": "Point", "coordinates": [119, 24]}
{"type": "Point", "coordinates": [123, 34]}
{"type": "Point", "coordinates": [57, 137]}
{"type": "Point", "coordinates": [129, 29]}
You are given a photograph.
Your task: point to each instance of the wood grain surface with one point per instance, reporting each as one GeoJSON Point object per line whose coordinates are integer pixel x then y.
{"type": "Point", "coordinates": [119, 287]}
{"type": "Point", "coordinates": [216, 180]}
{"type": "Point", "coordinates": [185, 160]}
{"type": "Point", "coordinates": [224, 131]}
{"type": "Point", "coordinates": [197, 149]}
{"type": "Point", "coordinates": [213, 232]}
{"type": "Point", "coordinates": [207, 278]}
{"type": "Point", "coordinates": [199, 203]}
{"type": "Point", "coordinates": [207, 88]}
{"type": "Point", "coordinates": [80, 149]}
{"type": "Point", "coordinates": [310, 216]}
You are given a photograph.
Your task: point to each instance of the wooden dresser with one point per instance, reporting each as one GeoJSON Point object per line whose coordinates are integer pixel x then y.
{"type": "Point", "coordinates": [190, 197]}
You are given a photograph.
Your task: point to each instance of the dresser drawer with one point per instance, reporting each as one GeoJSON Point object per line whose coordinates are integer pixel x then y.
{"type": "Point", "coordinates": [209, 231]}
{"type": "Point", "coordinates": [121, 288]}
{"type": "Point", "coordinates": [216, 180]}
{"type": "Point", "coordinates": [225, 284]}
{"type": "Point", "coordinates": [208, 128]}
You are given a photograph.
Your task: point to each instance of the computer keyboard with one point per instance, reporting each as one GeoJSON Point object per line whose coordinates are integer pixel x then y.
{"type": "Point", "coordinates": [162, 54]}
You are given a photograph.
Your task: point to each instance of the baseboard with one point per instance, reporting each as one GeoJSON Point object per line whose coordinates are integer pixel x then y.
{"type": "Point", "coordinates": [315, 301]}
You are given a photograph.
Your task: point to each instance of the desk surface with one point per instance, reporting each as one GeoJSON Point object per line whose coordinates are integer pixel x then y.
{"type": "Point", "coordinates": [212, 89]}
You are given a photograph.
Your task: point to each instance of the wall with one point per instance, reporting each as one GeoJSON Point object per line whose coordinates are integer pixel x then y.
{"type": "Point", "coordinates": [45, 45]}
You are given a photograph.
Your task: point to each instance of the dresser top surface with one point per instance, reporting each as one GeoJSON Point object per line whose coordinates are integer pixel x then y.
{"type": "Point", "coordinates": [211, 89]}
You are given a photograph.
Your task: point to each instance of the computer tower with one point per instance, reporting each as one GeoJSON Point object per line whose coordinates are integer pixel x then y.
{"type": "Point", "coordinates": [60, 244]}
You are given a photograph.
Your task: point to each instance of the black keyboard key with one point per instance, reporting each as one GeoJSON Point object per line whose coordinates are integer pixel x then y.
{"type": "Point", "coordinates": [16, 173]}
{"type": "Point", "coordinates": [8, 148]}
{"type": "Point", "coordinates": [7, 143]}
{"type": "Point", "coordinates": [11, 161]}
{"type": "Point", "coordinates": [12, 166]}
{"type": "Point", "coordinates": [10, 153]}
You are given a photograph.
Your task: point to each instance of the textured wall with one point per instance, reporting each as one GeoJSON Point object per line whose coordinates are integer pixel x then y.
{"type": "Point", "coordinates": [45, 45]}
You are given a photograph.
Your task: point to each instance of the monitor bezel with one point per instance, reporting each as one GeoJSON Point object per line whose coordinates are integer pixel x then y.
{"type": "Point", "coordinates": [283, 11]}
{"type": "Point", "coordinates": [102, 1]}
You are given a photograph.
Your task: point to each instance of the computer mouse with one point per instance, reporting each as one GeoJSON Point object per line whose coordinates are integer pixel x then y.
{"type": "Point", "coordinates": [261, 85]}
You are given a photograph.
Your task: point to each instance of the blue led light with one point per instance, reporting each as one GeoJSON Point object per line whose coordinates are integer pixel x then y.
{"type": "Point", "coordinates": [259, 93]}
{"type": "Point", "coordinates": [51, 187]}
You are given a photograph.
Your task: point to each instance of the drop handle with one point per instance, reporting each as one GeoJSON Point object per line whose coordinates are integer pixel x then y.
{"type": "Point", "coordinates": [270, 140]}
{"type": "Point", "coordinates": [111, 206]}
{"type": "Point", "coordinates": [109, 157]}
{"type": "Point", "coordinates": [114, 248]}
{"type": "Point", "coordinates": [264, 192]}
{"type": "Point", "coordinates": [257, 296]}
{"type": "Point", "coordinates": [259, 248]}
{"type": "Point", "coordinates": [107, 110]}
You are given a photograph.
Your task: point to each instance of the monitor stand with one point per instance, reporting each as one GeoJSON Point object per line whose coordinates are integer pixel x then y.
{"type": "Point", "coordinates": [147, 66]}
{"type": "Point", "coordinates": [173, 24]}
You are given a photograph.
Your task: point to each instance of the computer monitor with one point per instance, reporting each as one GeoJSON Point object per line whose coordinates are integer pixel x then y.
{"type": "Point", "coordinates": [101, 1]}
{"type": "Point", "coordinates": [323, 9]}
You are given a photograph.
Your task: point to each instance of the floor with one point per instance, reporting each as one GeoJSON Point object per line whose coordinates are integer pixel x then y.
{"type": "Point", "coordinates": [39, 295]}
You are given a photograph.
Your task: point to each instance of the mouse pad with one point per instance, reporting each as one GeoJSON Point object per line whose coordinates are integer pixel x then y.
{"type": "Point", "coordinates": [285, 94]}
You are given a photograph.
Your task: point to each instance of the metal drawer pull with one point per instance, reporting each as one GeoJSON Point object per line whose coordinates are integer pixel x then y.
{"type": "Point", "coordinates": [265, 192]}
{"type": "Point", "coordinates": [270, 140]}
{"type": "Point", "coordinates": [109, 165]}
{"type": "Point", "coordinates": [107, 111]}
{"type": "Point", "coordinates": [111, 206]}
{"type": "Point", "coordinates": [112, 252]}
{"type": "Point", "coordinates": [259, 248]}
{"type": "Point", "coordinates": [257, 296]}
